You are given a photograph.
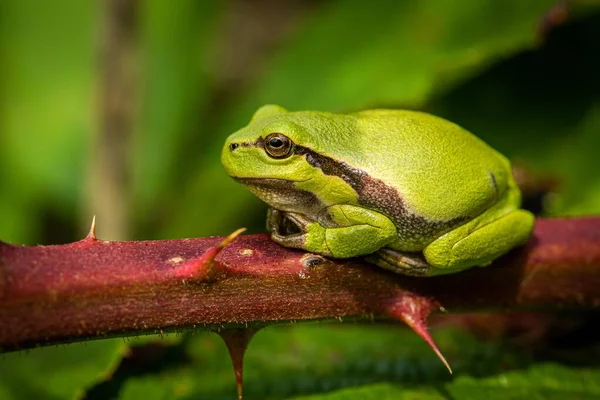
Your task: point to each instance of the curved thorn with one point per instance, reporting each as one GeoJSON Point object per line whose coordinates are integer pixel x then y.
{"type": "Point", "coordinates": [414, 310]}
{"type": "Point", "coordinates": [420, 328]}
{"type": "Point", "coordinates": [230, 237]}
{"type": "Point", "coordinates": [201, 268]}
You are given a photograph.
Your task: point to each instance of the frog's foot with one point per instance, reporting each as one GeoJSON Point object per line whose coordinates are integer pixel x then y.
{"type": "Point", "coordinates": [278, 223]}
{"type": "Point", "coordinates": [405, 263]}
{"type": "Point", "coordinates": [297, 231]}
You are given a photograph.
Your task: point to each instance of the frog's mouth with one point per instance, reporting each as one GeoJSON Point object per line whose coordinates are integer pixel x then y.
{"type": "Point", "coordinates": [267, 182]}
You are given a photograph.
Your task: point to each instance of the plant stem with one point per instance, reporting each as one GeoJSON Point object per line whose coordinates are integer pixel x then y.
{"type": "Point", "coordinates": [93, 289]}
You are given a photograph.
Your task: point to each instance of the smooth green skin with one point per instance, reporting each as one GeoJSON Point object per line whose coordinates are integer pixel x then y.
{"type": "Point", "coordinates": [439, 171]}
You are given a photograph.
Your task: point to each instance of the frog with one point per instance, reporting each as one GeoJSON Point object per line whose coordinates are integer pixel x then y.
{"type": "Point", "coordinates": [405, 190]}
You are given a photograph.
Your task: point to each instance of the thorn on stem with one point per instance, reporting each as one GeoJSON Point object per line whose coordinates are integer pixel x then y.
{"type": "Point", "coordinates": [92, 233]}
{"type": "Point", "coordinates": [237, 340]}
{"type": "Point", "coordinates": [201, 268]}
{"type": "Point", "coordinates": [414, 310]}
{"type": "Point", "coordinates": [228, 239]}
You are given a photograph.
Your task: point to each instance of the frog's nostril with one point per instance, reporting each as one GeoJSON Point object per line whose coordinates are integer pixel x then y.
{"type": "Point", "coordinates": [233, 146]}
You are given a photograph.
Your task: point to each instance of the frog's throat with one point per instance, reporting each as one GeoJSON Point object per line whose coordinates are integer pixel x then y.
{"type": "Point", "coordinates": [282, 194]}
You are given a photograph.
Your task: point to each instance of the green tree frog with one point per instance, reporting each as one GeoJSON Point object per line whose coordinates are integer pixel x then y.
{"type": "Point", "coordinates": [411, 192]}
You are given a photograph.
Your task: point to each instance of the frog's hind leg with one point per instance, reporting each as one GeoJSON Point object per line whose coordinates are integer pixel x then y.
{"type": "Point", "coordinates": [405, 263]}
{"type": "Point", "coordinates": [478, 243]}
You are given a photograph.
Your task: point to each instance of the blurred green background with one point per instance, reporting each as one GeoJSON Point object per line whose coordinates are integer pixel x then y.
{"type": "Point", "coordinates": [119, 109]}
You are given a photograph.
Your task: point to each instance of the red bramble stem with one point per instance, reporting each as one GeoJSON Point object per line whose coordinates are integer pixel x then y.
{"type": "Point", "coordinates": [94, 289]}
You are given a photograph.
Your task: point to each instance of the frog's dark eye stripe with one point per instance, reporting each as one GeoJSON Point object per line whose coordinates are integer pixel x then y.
{"type": "Point", "coordinates": [278, 145]}
{"type": "Point", "coordinates": [235, 145]}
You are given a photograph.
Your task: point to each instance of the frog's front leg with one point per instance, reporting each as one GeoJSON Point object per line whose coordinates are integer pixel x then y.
{"type": "Point", "coordinates": [349, 231]}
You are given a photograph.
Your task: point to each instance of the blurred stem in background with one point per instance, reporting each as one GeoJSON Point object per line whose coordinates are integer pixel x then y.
{"type": "Point", "coordinates": [109, 192]}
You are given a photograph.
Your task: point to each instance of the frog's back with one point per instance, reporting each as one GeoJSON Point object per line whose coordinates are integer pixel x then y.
{"type": "Point", "coordinates": [441, 170]}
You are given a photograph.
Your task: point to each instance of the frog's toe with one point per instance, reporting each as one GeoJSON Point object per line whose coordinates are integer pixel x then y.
{"type": "Point", "coordinates": [296, 223]}
{"type": "Point", "coordinates": [296, 241]}
{"type": "Point", "coordinates": [405, 263]}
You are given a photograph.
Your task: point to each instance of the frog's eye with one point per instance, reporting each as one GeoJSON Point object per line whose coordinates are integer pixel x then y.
{"type": "Point", "coordinates": [278, 145]}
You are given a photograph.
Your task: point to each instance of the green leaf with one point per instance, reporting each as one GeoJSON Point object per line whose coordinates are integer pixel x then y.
{"type": "Point", "coordinates": [351, 56]}
{"type": "Point", "coordinates": [542, 381]}
{"type": "Point", "coordinates": [526, 109]}
{"type": "Point", "coordinates": [151, 388]}
{"type": "Point", "coordinates": [380, 391]}
{"type": "Point", "coordinates": [63, 372]}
